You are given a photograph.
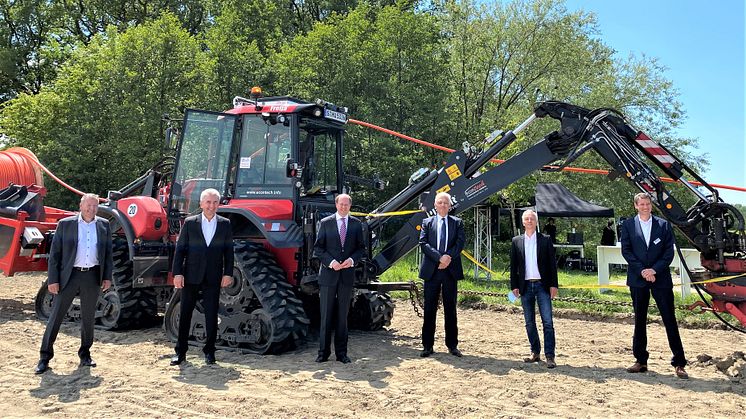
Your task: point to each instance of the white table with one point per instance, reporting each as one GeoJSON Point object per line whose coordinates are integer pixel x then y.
{"type": "Point", "coordinates": [571, 246]}
{"type": "Point", "coordinates": [613, 254]}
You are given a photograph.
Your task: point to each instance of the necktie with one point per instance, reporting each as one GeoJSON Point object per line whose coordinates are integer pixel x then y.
{"type": "Point", "coordinates": [442, 241]}
{"type": "Point", "coordinates": [342, 231]}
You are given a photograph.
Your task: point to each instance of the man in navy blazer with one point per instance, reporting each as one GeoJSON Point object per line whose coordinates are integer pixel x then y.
{"type": "Point", "coordinates": [80, 263]}
{"type": "Point", "coordinates": [442, 239]}
{"type": "Point", "coordinates": [203, 263]}
{"type": "Point", "coordinates": [647, 246]}
{"type": "Point", "coordinates": [339, 246]}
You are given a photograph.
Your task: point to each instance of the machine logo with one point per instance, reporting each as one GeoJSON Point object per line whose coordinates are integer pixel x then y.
{"type": "Point", "coordinates": [475, 189]}
{"type": "Point", "coordinates": [132, 210]}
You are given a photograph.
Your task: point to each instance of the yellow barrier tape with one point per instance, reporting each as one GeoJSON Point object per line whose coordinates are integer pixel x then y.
{"type": "Point", "coordinates": [384, 214]}
{"type": "Point", "coordinates": [719, 279]}
{"type": "Point", "coordinates": [592, 286]}
{"type": "Point", "coordinates": [471, 258]}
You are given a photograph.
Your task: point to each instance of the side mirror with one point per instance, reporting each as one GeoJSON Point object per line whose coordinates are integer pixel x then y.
{"type": "Point", "coordinates": [168, 142]}
{"type": "Point", "coordinates": [292, 168]}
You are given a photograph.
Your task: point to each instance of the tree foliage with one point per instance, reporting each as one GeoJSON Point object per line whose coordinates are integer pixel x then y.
{"type": "Point", "coordinates": [86, 82]}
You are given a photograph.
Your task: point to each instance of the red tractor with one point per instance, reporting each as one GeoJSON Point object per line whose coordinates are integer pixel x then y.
{"type": "Point", "coordinates": [250, 154]}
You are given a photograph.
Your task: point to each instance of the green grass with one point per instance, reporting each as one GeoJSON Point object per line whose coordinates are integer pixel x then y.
{"type": "Point", "coordinates": [601, 308]}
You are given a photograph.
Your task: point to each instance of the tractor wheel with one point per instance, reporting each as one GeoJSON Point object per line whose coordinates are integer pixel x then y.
{"type": "Point", "coordinates": [124, 306]}
{"type": "Point", "coordinates": [371, 310]}
{"type": "Point", "coordinates": [171, 318]}
{"type": "Point", "coordinates": [43, 302]}
{"type": "Point", "coordinates": [258, 313]}
{"type": "Point", "coordinates": [272, 319]}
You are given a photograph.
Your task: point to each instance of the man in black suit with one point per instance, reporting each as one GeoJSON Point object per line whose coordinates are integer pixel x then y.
{"type": "Point", "coordinates": [203, 263]}
{"type": "Point", "coordinates": [80, 263]}
{"type": "Point", "coordinates": [339, 246]}
{"type": "Point", "coordinates": [647, 246]}
{"type": "Point", "coordinates": [533, 277]}
{"type": "Point", "coordinates": [442, 239]}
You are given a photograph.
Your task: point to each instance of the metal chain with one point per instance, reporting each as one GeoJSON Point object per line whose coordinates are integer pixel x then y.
{"type": "Point", "coordinates": [416, 299]}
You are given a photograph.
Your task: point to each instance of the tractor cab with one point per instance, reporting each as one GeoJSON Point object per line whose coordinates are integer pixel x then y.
{"type": "Point", "coordinates": [264, 149]}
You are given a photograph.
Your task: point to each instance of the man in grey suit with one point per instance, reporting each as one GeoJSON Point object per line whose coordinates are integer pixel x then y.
{"type": "Point", "coordinates": [80, 263]}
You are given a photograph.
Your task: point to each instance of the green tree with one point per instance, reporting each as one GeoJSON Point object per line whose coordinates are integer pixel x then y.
{"type": "Point", "coordinates": [387, 65]}
{"type": "Point", "coordinates": [97, 126]}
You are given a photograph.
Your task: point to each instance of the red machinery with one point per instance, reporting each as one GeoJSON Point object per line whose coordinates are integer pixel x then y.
{"type": "Point", "coordinates": [278, 163]}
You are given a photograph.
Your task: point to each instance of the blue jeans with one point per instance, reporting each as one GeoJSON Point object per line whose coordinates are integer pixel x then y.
{"type": "Point", "coordinates": [535, 292]}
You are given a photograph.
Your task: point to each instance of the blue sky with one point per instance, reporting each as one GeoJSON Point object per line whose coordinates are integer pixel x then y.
{"type": "Point", "coordinates": [702, 44]}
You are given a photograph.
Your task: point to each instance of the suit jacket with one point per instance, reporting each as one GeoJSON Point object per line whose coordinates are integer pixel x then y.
{"type": "Point", "coordinates": [328, 247]}
{"type": "Point", "coordinates": [544, 258]}
{"type": "Point", "coordinates": [429, 246]}
{"type": "Point", "coordinates": [65, 245]}
{"type": "Point", "coordinates": [198, 262]}
{"type": "Point", "coordinates": [658, 255]}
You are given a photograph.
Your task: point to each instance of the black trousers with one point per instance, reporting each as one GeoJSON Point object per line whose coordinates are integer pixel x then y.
{"type": "Point", "coordinates": [664, 300]}
{"type": "Point", "coordinates": [210, 296]}
{"type": "Point", "coordinates": [335, 307]}
{"type": "Point", "coordinates": [86, 284]}
{"type": "Point", "coordinates": [441, 281]}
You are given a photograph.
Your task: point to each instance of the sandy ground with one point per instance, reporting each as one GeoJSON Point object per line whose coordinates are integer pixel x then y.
{"type": "Point", "coordinates": [386, 379]}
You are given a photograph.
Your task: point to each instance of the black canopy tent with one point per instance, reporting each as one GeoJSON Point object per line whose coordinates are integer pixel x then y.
{"type": "Point", "coordinates": [554, 200]}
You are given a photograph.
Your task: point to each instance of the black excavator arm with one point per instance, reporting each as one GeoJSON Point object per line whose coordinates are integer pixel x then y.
{"type": "Point", "coordinates": [715, 228]}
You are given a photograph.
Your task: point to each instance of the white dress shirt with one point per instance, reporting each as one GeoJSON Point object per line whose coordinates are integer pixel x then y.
{"type": "Point", "coordinates": [531, 257]}
{"type": "Point", "coordinates": [209, 227]}
{"type": "Point", "coordinates": [646, 227]}
{"type": "Point", "coordinates": [440, 224]}
{"type": "Point", "coordinates": [86, 255]}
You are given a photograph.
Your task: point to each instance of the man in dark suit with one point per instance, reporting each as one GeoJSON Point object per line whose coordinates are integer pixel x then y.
{"type": "Point", "coordinates": [339, 247]}
{"type": "Point", "coordinates": [203, 263]}
{"type": "Point", "coordinates": [533, 277]}
{"type": "Point", "coordinates": [647, 246]}
{"type": "Point", "coordinates": [442, 239]}
{"type": "Point", "coordinates": [80, 263]}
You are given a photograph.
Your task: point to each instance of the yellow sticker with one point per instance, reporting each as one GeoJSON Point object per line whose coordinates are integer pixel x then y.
{"type": "Point", "coordinates": [445, 188]}
{"type": "Point", "coordinates": [453, 172]}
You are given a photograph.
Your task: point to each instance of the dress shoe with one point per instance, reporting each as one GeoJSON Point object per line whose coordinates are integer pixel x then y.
{"type": "Point", "coordinates": [637, 367]}
{"type": "Point", "coordinates": [209, 359]}
{"type": "Point", "coordinates": [41, 367]}
{"type": "Point", "coordinates": [681, 373]}
{"type": "Point", "coordinates": [322, 358]}
{"type": "Point", "coordinates": [177, 359]}
{"type": "Point", "coordinates": [456, 352]}
{"type": "Point", "coordinates": [344, 359]}
{"type": "Point", "coordinates": [426, 352]}
{"type": "Point", "coordinates": [533, 358]}
{"type": "Point", "coordinates": [550, 363]}
{"type": "Point", "coordinates": [86, 361]}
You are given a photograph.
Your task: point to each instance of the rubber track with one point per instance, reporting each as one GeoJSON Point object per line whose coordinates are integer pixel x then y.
{"type": "Point", "coordinates": [137, 306]}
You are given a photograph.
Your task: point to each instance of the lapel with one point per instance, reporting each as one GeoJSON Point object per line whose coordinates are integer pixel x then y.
{"type": "Point", "coordinates": [638, 232]}
{"type": "Point", "coordinates": [434, 231]}
{"type": "Point", "coordinates": [198, 222]}
{"type": "Point", "coordinates": [521, 247]}
{"type": "Point", "coordinates": [100, 238]}
{"type": "Point", "coordinates": [654, 231]}
{"type": "Point", "coordinates": [75, 232]}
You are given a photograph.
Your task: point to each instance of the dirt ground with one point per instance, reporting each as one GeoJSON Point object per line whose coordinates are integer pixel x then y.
{"type": "Point", "coordinates": [387, 378]}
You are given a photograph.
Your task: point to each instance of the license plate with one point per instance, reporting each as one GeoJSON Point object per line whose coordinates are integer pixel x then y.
{"type": "Point", "coordinates": [335, 116]}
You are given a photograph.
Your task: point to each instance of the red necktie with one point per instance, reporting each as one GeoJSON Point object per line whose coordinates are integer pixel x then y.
{"type": "Point", "coordinates": [342, 232]}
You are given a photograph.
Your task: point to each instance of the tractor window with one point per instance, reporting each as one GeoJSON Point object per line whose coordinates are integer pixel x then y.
{"type": "Point", "coordinates": [320, 166]}
{"type": "Point", "coordinates": [265, 149]}
{"type": "Point", "coordinates": [204, 157]}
